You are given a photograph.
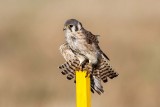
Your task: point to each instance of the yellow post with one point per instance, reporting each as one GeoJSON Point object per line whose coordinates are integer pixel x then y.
{"type": "Point", "coordinates": [83, 94]}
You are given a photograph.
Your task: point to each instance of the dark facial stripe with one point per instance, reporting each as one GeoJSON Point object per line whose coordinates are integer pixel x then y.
{"type": "Point", "coordinates": [76, 28]}
{"type": "Point", "coordinates": [70, 29]}
{"type": "Point", "coordinates": [80, 23]}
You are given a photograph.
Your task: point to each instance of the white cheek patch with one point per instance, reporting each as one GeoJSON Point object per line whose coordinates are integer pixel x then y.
{"type": "Point", "coordinates": [73, 29]}
{"type": "Point", "coordinates": [68, 31]}
{"type": "Point", "coordinates": [79, 26]}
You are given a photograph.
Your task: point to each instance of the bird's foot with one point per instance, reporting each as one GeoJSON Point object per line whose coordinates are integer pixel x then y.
{"type": "Point", "coordinates": [87, 73]}
{"type": "Point", "coordinates": [86, 69]}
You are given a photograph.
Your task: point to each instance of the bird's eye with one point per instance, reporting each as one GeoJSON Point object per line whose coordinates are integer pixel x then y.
{"type": "Point", "coordinates": [70, 26]}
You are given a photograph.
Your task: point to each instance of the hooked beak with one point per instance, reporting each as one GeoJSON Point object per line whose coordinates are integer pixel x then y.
{"type": "Point", "coordinates": [64, 28]}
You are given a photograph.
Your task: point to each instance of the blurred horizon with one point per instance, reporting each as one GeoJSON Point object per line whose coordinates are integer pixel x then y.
{"type": "Point", "coordinates": [30, 36]}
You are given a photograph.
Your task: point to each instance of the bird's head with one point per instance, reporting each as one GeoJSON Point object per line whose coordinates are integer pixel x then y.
{"type": "Point", "coordinates": [72, 25]}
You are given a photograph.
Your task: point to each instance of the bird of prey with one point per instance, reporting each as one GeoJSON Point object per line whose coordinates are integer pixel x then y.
{"type": "Point", "coordinates": [81, 51]}
{"type": "Point", "coordinates": [83, 42]}
{"type": "Point", "coordinates": [72, 64]}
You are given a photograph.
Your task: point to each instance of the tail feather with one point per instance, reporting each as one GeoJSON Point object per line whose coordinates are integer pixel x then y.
{"type": "Point", "coordinates": [101, 73]}
{"type": "Point", "coordinates": [106, 71]}
{"type": "Point", "coordinates": [70, 76]}
{"type": "Point", "coordinates": [96, 84]}
{"type": "Point", "coordinates": [68, 68]}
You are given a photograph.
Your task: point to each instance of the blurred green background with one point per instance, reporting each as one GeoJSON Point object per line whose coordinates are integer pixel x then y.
{"type": "Point", "coordinates": [30, 36]}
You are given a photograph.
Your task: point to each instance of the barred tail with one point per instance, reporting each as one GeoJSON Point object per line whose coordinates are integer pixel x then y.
{"type": "Point", "coordinates": [106, 71]}
{"type": "Point", "coordinates": [103, 72]}
{"type": "Point", "coordinates": [69, 68]}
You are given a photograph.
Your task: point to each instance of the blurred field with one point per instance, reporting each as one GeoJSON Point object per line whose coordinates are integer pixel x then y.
{"type": "Point", "coordinates": [31, 33]}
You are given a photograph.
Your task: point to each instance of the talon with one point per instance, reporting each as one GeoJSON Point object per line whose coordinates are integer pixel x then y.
{"type": "Point", "coordinates": [87, 74]}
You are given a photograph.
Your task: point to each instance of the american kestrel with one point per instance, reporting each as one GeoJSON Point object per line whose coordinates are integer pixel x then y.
{"type": "Point", "coordinates": [83, 42]}
{"type": "Point", "coordinates": [81, 50]}
{"type": "Point", "coordinates": [72, 64]}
